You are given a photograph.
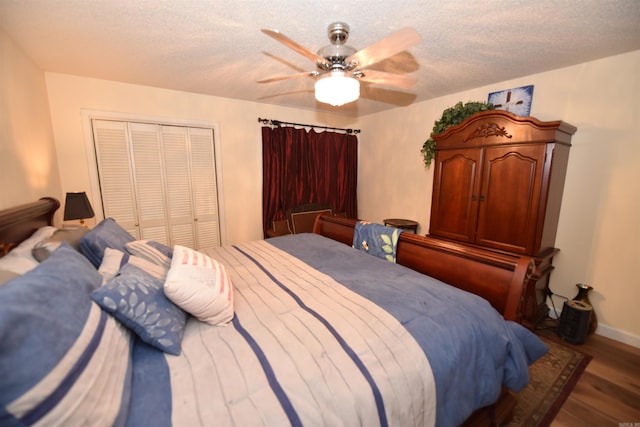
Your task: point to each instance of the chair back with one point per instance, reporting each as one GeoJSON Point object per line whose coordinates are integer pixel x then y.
{"type": "Point", "coordinates": [302, 217]}
{"type": "Point", "coordinates": [281, 227]}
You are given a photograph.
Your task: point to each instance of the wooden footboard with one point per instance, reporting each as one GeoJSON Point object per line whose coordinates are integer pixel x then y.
{"type": "Point", "coordinates": [499, 278]}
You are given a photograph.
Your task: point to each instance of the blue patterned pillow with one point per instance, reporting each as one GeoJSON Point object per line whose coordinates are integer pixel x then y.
{"type": "Point", "coordinates": [59, 353]}
{"type": "Point", "coordinates": [136, 299]}
{"type": "Point", "coordinates": [107, 234]}
{"type": "Point", "coordinates": [376, 239]}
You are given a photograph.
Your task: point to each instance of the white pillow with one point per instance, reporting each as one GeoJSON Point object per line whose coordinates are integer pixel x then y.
{"type": "Point", "coordinates": [41, 234]}
{"type": "Point", "coordinates": [20, 259]}
{"type": "Point", "coordinates": [69, 233]}
{"type": "Point", "coordinates": [110, 265]}
{"type": "Point", "coordinates": [200, 286]}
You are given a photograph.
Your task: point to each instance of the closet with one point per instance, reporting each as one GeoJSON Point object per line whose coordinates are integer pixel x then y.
{"type": "Point", "coordinates": [159, 181]}
{"type": "Point", "coordinates": [498, 183]}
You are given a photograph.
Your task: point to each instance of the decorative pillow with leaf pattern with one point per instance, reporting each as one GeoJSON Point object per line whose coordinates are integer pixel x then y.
{"type": "Point", "coordinates": [376, 239]}
{"type": "Point", "coordinates": [136, 299]}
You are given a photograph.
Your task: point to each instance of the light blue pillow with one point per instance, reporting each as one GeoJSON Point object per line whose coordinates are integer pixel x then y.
{"type": "Point", "coordinates": [136, 299]}
{"type": "Point", "coordinates": [107, 234]}
{"type": "Point", "coordinates": [50, 334]}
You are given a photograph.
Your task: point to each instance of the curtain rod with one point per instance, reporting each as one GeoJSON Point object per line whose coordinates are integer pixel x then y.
{"type": "Point", "coordinates": [279, 123]}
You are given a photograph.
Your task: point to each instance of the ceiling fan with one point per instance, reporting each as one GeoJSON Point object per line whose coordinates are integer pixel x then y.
{"type": "Point", "coordinates": [339, 67]}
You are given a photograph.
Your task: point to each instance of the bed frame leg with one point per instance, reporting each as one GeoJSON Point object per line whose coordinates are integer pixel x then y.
{"type": "Point", "coordinates": [498, 414]}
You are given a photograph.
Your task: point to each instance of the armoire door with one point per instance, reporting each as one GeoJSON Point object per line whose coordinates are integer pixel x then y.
{"type": "Point", "coordinates": [454, 206]}
{"type": "Point", "coordinates": [510, 196]}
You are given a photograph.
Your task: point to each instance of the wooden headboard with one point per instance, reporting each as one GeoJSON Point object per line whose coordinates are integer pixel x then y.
{"type": "Point", "coordinates": [18, 223]}
{"type": "Point", "coordinates": [498, 278]}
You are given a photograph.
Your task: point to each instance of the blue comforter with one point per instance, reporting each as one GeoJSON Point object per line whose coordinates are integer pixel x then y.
{"type": "Point", "coordinates": [440, 317]}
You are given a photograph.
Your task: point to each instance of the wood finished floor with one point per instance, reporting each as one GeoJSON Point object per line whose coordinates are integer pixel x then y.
{"type": "Point", "coordinates": [608, 392]}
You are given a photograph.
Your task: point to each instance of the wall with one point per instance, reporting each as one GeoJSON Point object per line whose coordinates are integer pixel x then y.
{"type": "Point", "coordinates": [599, 227]}
{"type": "Point", "coordinates": [237, 122]}
{"type": "Point", "coordinates": [28, 163]}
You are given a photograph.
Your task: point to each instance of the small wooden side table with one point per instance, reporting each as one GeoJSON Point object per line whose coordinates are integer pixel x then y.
{"type": "Point", "coordinates": [404, 224]}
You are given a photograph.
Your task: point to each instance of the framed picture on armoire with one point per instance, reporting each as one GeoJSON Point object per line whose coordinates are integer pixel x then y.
{"type": "Point", "coordinates": [516, 100]}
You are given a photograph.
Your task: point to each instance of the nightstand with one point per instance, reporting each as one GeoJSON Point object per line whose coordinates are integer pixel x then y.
{"type": "Point", "coordinates": [403, 224]}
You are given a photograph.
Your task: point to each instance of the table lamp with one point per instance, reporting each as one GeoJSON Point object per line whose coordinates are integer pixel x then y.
{"type": "Point", "coordinates": [77, 206]}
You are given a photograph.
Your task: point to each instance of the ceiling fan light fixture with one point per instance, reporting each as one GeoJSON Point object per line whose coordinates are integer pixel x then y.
{"type": "Point", "coordinates": [337, 89]}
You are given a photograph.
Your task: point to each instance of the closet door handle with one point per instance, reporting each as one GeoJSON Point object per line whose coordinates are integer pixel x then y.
{"type": "Point", "coordinates": [474, 197]}
{"type": "Point", "coordinates": [483, 198]}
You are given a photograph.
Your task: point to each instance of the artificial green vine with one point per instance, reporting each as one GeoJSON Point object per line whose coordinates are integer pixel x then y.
{"type": "Point", "coordinates": [450, 117]}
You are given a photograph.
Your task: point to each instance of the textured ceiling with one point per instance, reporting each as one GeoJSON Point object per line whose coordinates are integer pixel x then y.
{"type": "Point", "coordinates": [216, 48]}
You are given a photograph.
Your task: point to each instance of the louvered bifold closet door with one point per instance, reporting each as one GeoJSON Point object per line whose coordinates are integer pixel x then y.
{"type": "Point", "coordinates": [115, 173]}
{"type": "Point", "coordinates": [204, 187]}
{"type": "Point", "coordinates": [175, 150]}
{"type": "Point", "coordinates": [149, 181]}
{"type": "Point", "coordinates": [159, 181]}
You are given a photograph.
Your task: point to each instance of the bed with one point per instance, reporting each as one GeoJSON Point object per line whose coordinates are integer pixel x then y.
{"type": "Point", "coordinates": [301, 330]}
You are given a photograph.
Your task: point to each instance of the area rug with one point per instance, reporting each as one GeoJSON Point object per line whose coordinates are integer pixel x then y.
{"type": "Point", "coordinates": [551, 380]}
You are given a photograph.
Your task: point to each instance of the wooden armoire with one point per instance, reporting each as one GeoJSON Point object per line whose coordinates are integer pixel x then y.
{"type": "Point", "coordinates": [498, 183]}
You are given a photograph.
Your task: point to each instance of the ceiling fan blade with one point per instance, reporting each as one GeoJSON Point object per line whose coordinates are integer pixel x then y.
{"type": "Point", "coordinates": [380, 77]}
{"type": "Point", "coordinates": [382, 49]}
{"type": "Point", "coordinates": [290, 76]}
{"type": "Point", "coordinates": [277, 35]}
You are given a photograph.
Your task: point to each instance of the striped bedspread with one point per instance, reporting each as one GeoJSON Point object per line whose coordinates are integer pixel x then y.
{"type": "Point", "coordinates": [312, 343]}
{"type": "Point", "coordinates": [301, 350]}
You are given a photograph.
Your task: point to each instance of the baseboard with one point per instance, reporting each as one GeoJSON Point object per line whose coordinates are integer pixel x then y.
{"type": "Point", "coordinates": [609, 332]}
{"type": "Point", "coordinates": [618, 335]}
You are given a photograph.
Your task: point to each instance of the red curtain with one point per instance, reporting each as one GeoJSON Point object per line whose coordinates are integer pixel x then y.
{"type": "Point", "coordinates": [301, 166]}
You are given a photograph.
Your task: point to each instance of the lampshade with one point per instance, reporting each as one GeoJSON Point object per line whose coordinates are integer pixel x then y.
{"type": "Point", "coordinates": [77, 206]}
{"type": "Point", "coordinates": [337, 89]}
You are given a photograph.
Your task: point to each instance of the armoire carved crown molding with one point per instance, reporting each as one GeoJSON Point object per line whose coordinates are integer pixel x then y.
{"type": "Point", "coordinates": [486, 130]}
